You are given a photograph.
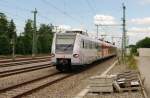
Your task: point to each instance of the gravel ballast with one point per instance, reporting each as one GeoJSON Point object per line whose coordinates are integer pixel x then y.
{"type": "Point", "coordinates": [24, 77]}
{"type": "Point", "coordinates": [73, 85]}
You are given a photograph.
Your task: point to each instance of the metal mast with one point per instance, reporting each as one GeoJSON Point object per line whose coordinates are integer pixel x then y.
{"type": "Point", "coordinates": [34, 34]}
{"type": "Point", "coordinates": [124, 33]}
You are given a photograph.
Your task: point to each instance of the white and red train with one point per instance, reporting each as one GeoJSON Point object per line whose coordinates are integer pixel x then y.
{"type": "Point", "coordinates": [74, 48]}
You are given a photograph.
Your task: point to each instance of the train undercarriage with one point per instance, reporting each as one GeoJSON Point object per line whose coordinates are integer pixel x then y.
{"type": "Point", "coordinates": [63, 65]}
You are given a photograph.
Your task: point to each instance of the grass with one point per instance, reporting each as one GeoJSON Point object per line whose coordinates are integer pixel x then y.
{"type": "Point", "coordinates": [131, 62]}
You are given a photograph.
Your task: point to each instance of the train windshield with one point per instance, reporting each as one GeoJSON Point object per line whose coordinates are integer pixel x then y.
{"type": "Point", "coordinates": [65, 43]}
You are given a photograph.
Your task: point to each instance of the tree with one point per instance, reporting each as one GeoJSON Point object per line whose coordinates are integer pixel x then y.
{"type": "Point", "coordinates": [28, 29]}
{"type": "Point", "coordinates": [23, 42]}
{"type": "Point", "coordinates": [28, 35]}
{"type": "Point", "coordinates": [133, 49]}
{"type": "Point", "coordinates": [12, 36]}
{"type": "Point", "coordinates": [45, 36]}
{"type": "Point", "coordinates": [11, 30]}
{"type": "Point", "coordinates": [3, 24]}
{"type": "Point", "coordinates": [144, 43]}
{"type": "Point", "coordinates": [4, 39]}
{"type": "Point", "coordinates": [20, 48]}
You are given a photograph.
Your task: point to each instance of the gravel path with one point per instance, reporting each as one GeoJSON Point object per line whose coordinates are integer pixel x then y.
{"type": "Point", "coordinates": [118, 69]}
{"type": "Point", "coordinates": [72, 85]}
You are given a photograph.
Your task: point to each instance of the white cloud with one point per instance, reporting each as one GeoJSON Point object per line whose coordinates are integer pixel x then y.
{"type": "Point", "coordinates": [104, 20]}
{"type": "Point", "coordinates": [131, 33]}
{"type": "Point", "coordinates": [141, 21]}
{"type": "Point", "coordinates": [139, 30]}
{"type": "Point", "coordinates": [144, 2]}
{"type": "Point", "coordinates": [62, 28]}
{"type": "Point", "coordinates": [66, 27]}
{"type": "Point", "coordinates": [93, 34]}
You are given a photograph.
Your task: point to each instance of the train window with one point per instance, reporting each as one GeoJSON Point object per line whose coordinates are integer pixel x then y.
{"type": "Point", "coordinates": [64, 43]}
{"type": "Point", "coordinates": [99, 48]}
{"type": "Point", "coordinates": [83, 44]}
{"type": "Point", "coordinates": [90, 44]}
{"type": "Point", "coordinates": [87, 44]}
{"type": "Point", "coordinates": [96, 45]}
{"type": "Point", "coordinates": [93, 45]}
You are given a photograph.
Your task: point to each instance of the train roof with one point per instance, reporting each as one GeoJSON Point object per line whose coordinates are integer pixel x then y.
{"type": "Point", "coordinates": [84, 36]}
{"type": "Point", "coordinates": [77, 31]}
{"type": "Point", "coordinates": [100, 41]}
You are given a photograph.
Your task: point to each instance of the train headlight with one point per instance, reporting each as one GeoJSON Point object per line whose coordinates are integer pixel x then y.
{"type": "Point", "coordinates": [75, 55]}
{"type": "Point", "coordinates": [53, 55]}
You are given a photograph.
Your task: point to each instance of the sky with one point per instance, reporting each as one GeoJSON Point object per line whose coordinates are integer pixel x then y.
{"type": "Point", "coordinates": [84, 14]}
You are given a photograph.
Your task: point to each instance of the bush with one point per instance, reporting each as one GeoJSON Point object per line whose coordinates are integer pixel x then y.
{"type": "Point", "coordinates": [131, 61]}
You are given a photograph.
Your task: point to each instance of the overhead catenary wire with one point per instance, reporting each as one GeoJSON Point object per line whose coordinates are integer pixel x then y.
{"type": "Point", "coordinates": [16, 6]}
{"type": "Point", "coordinates": [41, 15]}
{"type": "Point", "coordinates": [61, 11]}
{"type": "Point", "coordinates": [22, 9]}
{"type": "Point", "coordinates": [91, 7]}
{"type": "Point", "coordinates": [97, 25]}
{"type": "Point", "coordinates": [18, 26]}
{"type": "Point", "coordinates": [93, 13]}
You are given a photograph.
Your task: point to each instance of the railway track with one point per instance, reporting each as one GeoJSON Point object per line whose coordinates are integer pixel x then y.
{"type": "Point", "coordinates": [7, 71]}
{"type": "Point", "coordinates": [23, 59]}
{"type": "Point", "coordinates": [17, 91]}
{"type": "Point", "coordinates": [17, 71]}
{"type": "Point", "coordinates": [16, 63]}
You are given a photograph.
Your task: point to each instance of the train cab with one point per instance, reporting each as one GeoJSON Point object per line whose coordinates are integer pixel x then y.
{"type": "Point", "coordinates": [65, 51]}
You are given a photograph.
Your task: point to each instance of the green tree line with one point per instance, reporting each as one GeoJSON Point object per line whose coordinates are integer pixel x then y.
{"type": "Point", "coordinates": [23, 41]}
{"type": "Point", "coordinates": [144, 43]}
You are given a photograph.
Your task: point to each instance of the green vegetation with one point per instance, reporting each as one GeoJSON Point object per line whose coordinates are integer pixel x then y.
{"type": "Point", "coordinates": [23, 42]}
{"type": "Point", "coordinates": [133, 50]}
{"type": "Point", "coordinates": [131, 61]}
{"type": "Point", "coordinates": [144, 43]}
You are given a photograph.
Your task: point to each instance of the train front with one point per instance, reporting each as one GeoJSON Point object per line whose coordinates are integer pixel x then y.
{"type": "Point", "coordinates": [62, 51]}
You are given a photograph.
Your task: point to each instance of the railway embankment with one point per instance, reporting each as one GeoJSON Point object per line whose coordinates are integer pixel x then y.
{"type": "Point", "coordinates": [143, 62]}
{"type": "Point", "coordinates": [144, 68]}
